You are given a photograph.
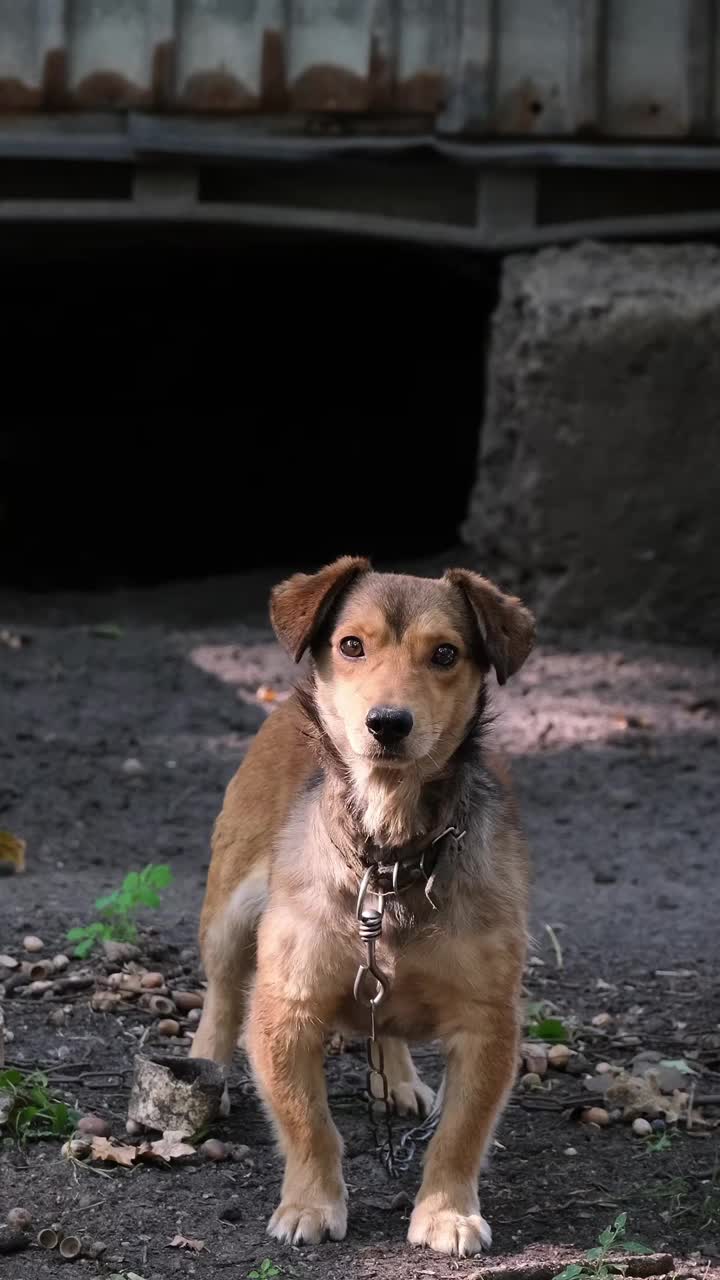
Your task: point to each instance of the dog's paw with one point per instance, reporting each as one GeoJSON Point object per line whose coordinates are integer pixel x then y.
{"type": "Point", "coordinates": [446, 1231]}
{"type": "Point", "coordinates": [309, 1224]}
{"type": "Point", "coordinates": [412, 1097]}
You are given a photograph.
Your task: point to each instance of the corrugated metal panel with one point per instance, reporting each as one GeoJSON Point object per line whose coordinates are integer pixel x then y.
{"type": "Point", "coordinates": [547, 68]}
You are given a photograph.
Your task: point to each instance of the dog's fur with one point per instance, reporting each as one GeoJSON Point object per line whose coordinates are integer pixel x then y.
{"type": "Point", "coordinates": [316, 799]}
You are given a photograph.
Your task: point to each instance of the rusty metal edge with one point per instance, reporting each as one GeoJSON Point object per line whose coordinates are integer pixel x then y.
{"type": "Point", "coordinates": [351, 225]}
{"type": "Point", "coordinates": [148, 138]}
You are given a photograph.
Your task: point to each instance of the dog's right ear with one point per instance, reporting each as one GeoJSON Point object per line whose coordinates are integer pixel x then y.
{"type": "Point", "coordinates": [299, 606]}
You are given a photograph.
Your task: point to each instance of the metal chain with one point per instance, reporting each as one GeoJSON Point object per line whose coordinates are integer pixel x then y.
{"type": "Point", "coordinates": [395, 1157]}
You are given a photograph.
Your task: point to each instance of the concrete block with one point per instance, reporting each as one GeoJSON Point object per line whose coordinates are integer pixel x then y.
{"type": "Point", "coordinates": [599, 466]}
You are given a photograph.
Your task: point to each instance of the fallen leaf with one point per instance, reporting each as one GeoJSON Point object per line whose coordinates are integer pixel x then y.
{"type": "Point", "coordinates": [106, 1149]}
{"type": "Point", "coordinates": [186, 1242]}
{"type": "Point", "coordinates": [12, 852]}
{"type": "Point", "coordinates": [170, 1147]}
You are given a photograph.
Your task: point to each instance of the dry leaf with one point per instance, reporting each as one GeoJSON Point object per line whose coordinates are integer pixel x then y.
{"type": "Point", "coordinates": [186, 1242]}
{"type": "Point", "coordinates": [170, 1147]}
{"type": "Point", "coordinates": [106, 1149]}
{"type": "Point", "coordinates": [12, 852]}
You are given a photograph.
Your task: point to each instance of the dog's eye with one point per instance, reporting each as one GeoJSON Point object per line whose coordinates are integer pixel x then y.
{"type": "Point", "coordinates": [351, 647]}
{"type": "Point", "coordinates": [445, 656]}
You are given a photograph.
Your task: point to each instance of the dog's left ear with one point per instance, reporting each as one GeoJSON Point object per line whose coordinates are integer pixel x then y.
{"type": "Point", "coordinates": [507, 628]}
{"type": "Point", "coordinates": [299, 606]}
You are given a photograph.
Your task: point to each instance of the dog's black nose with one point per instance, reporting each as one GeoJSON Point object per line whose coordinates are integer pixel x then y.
{"type": "Point", "coordinates": [389, 724]}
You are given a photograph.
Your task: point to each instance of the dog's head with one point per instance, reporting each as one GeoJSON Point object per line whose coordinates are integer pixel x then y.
{"type": "Point", "coordinates": [400, 662]}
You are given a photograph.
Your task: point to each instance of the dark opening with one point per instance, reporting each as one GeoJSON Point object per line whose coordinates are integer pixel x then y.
{"type": "Point", "coordinates": [179, 403]}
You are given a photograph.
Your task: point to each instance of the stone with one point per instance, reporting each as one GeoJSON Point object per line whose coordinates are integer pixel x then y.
{"type": "Point", "coordinates": [596, 480]}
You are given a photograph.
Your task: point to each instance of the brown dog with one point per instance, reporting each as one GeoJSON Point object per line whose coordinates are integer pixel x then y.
{"type": "Point", "coordinates": [375, 757]}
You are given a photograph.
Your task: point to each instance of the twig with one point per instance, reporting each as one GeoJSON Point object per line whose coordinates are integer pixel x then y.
{"type": "Point", "coordinates": [555, 945]}
{"type": "Point", "coordinates": [659, 1264]}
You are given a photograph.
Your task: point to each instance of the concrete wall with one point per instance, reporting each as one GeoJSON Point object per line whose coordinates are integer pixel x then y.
{"type": "Point", "coordinates": [599, 471]}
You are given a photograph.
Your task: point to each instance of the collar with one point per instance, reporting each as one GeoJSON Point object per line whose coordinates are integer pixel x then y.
{"type": "Point", "coordinates": [394, 877]}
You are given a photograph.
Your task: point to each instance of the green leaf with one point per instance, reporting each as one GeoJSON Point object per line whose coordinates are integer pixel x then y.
{"type": "Point", "coordinates": [679, 1064]}
{"type": "Point", "coordinates": [593, 1254]}
{"type": "Point", "coordinates": [620, 1222]}
{"type": "Point", "coordinates": [159, 876]}
{"type": "Point", "coordinates": [106, 903]}
{"type": "Point", "coordinates": [147, 897]}
{"type": "Point", "coordinates": [571, 1272]}
{"type": "Point", "coordinates": [607, 1236]}
{"type": "Point", "coordinates": [76, 934]}
{"type": "Point", "coordinates": [131, 882]}
{"type": "Point", "coordinates": [84, 948]}
{"type": "Point", "coordinates": [10, 1078]}
{"type": "Point", "coordinates": [550, 1029]}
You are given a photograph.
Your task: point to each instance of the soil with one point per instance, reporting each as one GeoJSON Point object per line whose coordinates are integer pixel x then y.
{"type": "Point", "coordinates": [615, 748]}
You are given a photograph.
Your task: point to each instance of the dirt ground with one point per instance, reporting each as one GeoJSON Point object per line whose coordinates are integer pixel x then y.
{"type": "Point", "coordinates": [615, 748]}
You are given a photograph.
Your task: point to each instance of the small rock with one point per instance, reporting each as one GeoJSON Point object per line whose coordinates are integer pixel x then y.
{"type": "Point", "coordinates": [60, 962]}
{"type": "Point", "coordinates": [168, 1027]}
{"type": "Point", "coordinates": [57, 1018]}
{"type": "Point", "coordinates": [194, 1017]}
{"type": "Point", "coordinates": [659, 1125]}
{"type": "Point", "coordinates": [120, 952]}
{"type": "Point", "coordinates": [577, 1065]}
{"type": "Point", "coordinates": [133, 1128]}
{"type": "Point", "coordinates": [535, 1059]}
{"type": "Point", "coordinates": [187, 1000]}
{"type": "Point", "coordinates": [401, 1201]}
{"type": "Point", "coordinates": [161, 1007]}
{"type": "Point", "coordinates": [530, 1080]}
{"type": "Point", "coordinates": [641, 1128]}
{"type": "Point", "coordinates": [187, 955]}
{"type": "Point", "coordinates": [19, 1219]}
{"type": "Point", "coordinates": [95, 1125]}
{"type": "Point", "coordinates": [96, 1249]}
{"type": "Point", "coordinates": [595, 1115]}
{"type": "Point", "coordinates": [150, 981]}
{"type": "Point", "coordinates": [105, 1001]}
{"type": "Point", "coordinates": [33, 943]}
{"type": "Point", "coordinates": [602, 1068]}
{"type": "Point", "coordinates": [214, 1149]}
{"type": "Point", "coordinates": [241, 1152]}
{"type": "Point", "coordinates": [230, 1212]}
{"type": "Point", "coordinates": [602, 1020]}
{"type": "Point", "coordinates": [616, 1115]}
{"type": "Point", "coordinates": [80, 1148]}
{"type": "Point", "coordinates": [132, 766]}
{"type": "Point", "coordinates": [570, 1151]}
{"type": "Point", "coordinates": [37, 989]}
{"type": "Point", "coordinates": [8, 962]}
{"type": "Point", "coordinates": [558, 1056]}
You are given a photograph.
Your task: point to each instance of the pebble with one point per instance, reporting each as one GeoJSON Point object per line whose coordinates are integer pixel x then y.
{"type": "Point", "coordinates": [570, 1151]}
{"type": "Point", "coordinates": [596, 1115]}
{"type": "Point", "coordinates": [602, 1068]}
{"type": "Point", "coordinates": [161, 1007]}
{"type": "Point", "coordinates": [187, 955]}
{"type": "Point", "coordinates": [577, 1065]}
{"type": "Point", "coordinates": [120, 952]}
{"type": "Point", "coordinates": [214, 1149]}
{"type": "Point", "coordinates": [401, 1201]}
{"type": "Point", "coordinates": [37, 989]}
{"type": "Point", "coordinates": [641, 1128]}
{"type": "Point", "coordinates": [168, 1027]}
{"type": "Point", "coordinates": [133, 1128]}
{"type": "Point", "coordinates": [194, 1017]}
{"type": "Point", "coordinates": [241, 1152]}
{"type": "Point", "coordinates": [105, 1001]}
{"type": "Point", "coordinates": [535, 1058]}
{"type": "Point", "coordinates": [57, 1018]}
{"type": "Point", "coordinates": [602, 1020]}
{"type": "Point", "coordinates": [132, 766]}
{"type": "Point", "coordinates": [150, 981]}
{"type": "Point", "coordinates": [659, 1125]}
{"type": "Point", "coordinates": [559, 1056]}
{"type": "Point", "coordinates": [95, 1125]}
{"type": "Point", "coordinates": [60, 962]}
{"type": "Point", "coordinates": [187, 1000]}
{"type": "Point", "coordinates": [19, 1219]}
{"type": "Point", "coordinates": [530, 1080]}
{"type": "Point", "coordinates": [8, 962]}
{"type": "Point", "coordinates": [230, 1212]}
{"type": "Point", "coordinates": [33, 943]}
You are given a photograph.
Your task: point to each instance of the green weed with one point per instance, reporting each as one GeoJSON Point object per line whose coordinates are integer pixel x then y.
{"type": "Point", "coordinates": [265, 1271]}
{"type": "Point", "coordinates": [595, 1265]}
{"type": "Point", "coordinates": [118, 910]}
{"type": "Point", "coordinates": [30, 1109]}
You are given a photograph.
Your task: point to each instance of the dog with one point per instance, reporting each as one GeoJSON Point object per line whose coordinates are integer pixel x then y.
{"type": "Point", "coordinates": [376, 768]}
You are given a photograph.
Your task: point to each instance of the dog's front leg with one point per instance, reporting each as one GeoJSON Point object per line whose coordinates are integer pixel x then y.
{"type": "Point", "coordinates": [480, 1071]}
{"type": "Point", "coordinates": [286, 1050]}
